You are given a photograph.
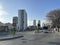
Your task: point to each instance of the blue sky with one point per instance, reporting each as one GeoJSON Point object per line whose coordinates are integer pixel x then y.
{"type": "Point", "coordinates": [36, 9]}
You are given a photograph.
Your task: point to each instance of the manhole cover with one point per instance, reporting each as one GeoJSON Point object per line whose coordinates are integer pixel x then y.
{"type": "Point", "coordinates": [24, 41]}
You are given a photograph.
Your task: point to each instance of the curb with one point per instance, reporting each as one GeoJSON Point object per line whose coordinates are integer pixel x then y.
{"type": "Point", "coordinates": [11, 38]}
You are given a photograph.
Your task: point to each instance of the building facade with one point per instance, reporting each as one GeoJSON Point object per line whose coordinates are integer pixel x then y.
{"type": "Point", "coordinates": [10, 26]}
{"type": "Point", "coordinates": [22, 20]}
{"type": "Point", "coordinates": [15, 19]}
{"type": "Point", "coordinates": [34, 22]}
{"type": "Point", "coordinates": [15, 22]}
{"type": "Point", "coordinates": [2, 24]}
{"type": "Point", "coordinates": [3, 27]}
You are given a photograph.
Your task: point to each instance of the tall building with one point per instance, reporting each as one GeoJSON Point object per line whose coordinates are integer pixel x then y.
{"type": "Point", "coordinates": [22, 19]}
{"type": "Point", "coordinates": [15, 19]}
{"type": "Point", "coordinates": [43, 24]}
{"type": "Point", "coordinates": [34, 22]}
{"type": "Point", "coordinates": [15, 22]}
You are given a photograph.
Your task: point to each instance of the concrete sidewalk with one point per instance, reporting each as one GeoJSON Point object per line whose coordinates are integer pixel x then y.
{"type": "Point", "coordinates": [57, 33]}
{"type": "Point", "coordinates": [10, 37]}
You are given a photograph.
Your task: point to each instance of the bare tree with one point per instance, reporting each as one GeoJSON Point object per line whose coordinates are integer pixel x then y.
{"type": "Point", "coordinates": [54, 17]}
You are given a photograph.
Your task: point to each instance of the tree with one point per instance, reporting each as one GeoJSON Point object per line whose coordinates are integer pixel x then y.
{"type": "Point", "coordinates": [54, 17]}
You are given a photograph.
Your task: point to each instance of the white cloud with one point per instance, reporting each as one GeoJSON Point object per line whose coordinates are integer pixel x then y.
{"type": "Point", "coordinates": [3, 14]}
{"type": "Point", "coordinates": [1, 7]}
{"type": "Point", "coordinates": [30, 23]}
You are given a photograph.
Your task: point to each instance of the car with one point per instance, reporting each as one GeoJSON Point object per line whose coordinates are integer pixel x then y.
{"type": "Point", "coordinates": [46, 31]}
{"type": "Point", "coordinates": [40, 30]}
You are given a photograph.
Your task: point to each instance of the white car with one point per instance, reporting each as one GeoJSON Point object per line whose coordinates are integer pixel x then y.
{"type": "Point", "coordinates": [47, 31]}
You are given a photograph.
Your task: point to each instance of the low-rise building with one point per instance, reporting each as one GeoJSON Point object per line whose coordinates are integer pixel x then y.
{"type": "Point", "coordinates": [3, 28]}
{"type": "Point", "coordinates": [10, 26]}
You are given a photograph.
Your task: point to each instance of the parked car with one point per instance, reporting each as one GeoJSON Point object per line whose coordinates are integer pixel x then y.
{"type": "Point", "coordinates": [47, 31]}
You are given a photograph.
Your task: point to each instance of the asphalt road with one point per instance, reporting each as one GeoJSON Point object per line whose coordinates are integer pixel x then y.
{"type": "Point", "coordinates": [31, 38]}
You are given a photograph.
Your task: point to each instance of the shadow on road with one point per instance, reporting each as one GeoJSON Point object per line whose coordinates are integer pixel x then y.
{"type": "Point", "coordinates": [54, 43]}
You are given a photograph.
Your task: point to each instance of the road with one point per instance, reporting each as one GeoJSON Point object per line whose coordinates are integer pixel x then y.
{"type": "Point", "coordinates": [31, 38]}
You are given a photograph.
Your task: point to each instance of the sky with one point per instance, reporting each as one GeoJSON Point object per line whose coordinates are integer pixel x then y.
{"type": "Point", "coordinates": [36, 9]}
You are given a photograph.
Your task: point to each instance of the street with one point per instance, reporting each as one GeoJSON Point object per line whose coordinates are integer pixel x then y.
{"type": "Point", "coordinates": [31, 38]}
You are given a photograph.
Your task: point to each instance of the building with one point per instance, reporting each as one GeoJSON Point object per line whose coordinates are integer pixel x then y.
{"type": "Point", "coordinates": [43, 24]}
{"type": "Point", "coordinates": [15, 22]}
{"type": "Point", "coordinates": [34, 22]}
{"type": "Point", "coordinates": [10, 26]}
{"type": "Point", "coordinates": [15, 19]}
{"type": "Point", "coordinates": [3, 28]}
{"type": "Point", "coordinates": [22, 19]}
{"type": "Point", "coordinates": [2, 24]}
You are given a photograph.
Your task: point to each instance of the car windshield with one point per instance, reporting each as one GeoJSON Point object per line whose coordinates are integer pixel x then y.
{"type": "Point", "coordinates": [29, 22]}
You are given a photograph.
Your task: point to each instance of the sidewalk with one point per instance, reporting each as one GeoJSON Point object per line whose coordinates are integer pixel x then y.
{"type": "Point", "coordinates": [10, 36]}
{"type": "Point", "coordinates": [57, 33]}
